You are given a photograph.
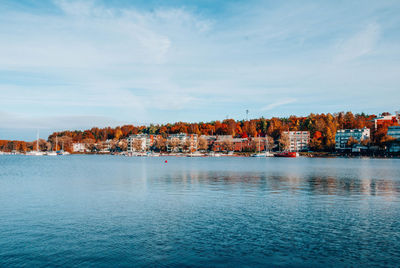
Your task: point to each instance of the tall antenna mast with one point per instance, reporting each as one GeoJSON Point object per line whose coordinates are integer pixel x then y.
{"type": "Point", "coordinates": [247, 115]}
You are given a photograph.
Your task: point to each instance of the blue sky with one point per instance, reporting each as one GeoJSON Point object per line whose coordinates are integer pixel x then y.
{"type": "Point", "coordinates": [78, 64]}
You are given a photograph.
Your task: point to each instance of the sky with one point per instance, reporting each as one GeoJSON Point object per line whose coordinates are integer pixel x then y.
{"type": "Point", "coordinates": [78, 64]}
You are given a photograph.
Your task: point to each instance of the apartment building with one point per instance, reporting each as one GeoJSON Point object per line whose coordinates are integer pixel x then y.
{"type": "Point", "coordinates": [394, 132]}
{"type": "Point", "coordinates": [299, 140]}
{"type": "Point", "coordinates": [343, 135]}
{"type": "Point", "coordinates": [182, 142]}
{"type": "Point", "coordinates": [144, 140]}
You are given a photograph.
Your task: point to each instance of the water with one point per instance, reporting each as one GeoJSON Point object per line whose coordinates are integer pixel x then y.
{"type": "Point", "coordinates": [103, 211]}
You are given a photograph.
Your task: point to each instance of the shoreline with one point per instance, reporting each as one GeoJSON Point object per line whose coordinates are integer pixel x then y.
{"type": "Point", "coordinates": [249, 155]}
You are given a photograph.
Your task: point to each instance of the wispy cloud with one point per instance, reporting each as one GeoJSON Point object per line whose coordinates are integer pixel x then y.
{"type": "Point", "coordinates": [277, 104]}
{"type": "Point", "coordinates": [360, 44]}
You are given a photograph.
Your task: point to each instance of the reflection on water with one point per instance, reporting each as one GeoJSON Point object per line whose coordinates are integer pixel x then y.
{"type": "Point", "coordinates": [360, 181]}
{"type": "Point", "coordinates": [116, 211]}
{"type": "Point", "coordinates": [311, 185]}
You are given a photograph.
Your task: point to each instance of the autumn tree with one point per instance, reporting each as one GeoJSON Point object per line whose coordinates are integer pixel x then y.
{"type": "Point", "coordinates": [160, 143]}
{"type": "Point", "coordinates": [202, 144]}
{"type": "Point", "coordinates": [253, 145]}
{"type": "Point", "coordinates": [351, 142]}
{"type": "Point", "coordinates": [137, 145]}
{"type": "Point", "coordinates": [227, 145]}
{"type": "Point", "coordinates": [284, 142]}
{"type": "Point", "coordinates": [186, 145]}
{"type": "Point", "coordinates": [269, 143]}
{"type": "Point", "coordinates": [123, 144]}
{"type": "Point", "coordinates": [365, 142]}
{"type": "Point", "coordinates": [174, 144]}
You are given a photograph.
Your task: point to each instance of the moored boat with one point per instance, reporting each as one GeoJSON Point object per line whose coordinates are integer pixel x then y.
{"type": "Point", "coordinates": [195, 154]}
{"type": "Point", "coordinates": [264, 154]}
{"type": "Point", "coordinates": [36, 152]}
{"type": "Point", "coordinates": [286, 154]}
{"type": "Point", "coordinates": [259, 155]}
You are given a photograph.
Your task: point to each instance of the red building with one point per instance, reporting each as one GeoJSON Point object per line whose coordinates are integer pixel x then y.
{"type": "Point", "coordinates": [387, 120]}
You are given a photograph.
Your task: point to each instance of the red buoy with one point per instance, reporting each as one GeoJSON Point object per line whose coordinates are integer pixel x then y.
{"type": "Point", "coordinates": [166, 161]}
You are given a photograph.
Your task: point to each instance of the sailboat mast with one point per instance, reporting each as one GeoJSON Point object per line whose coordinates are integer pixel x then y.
{"type": "Point", "coordinates": [37, 141]}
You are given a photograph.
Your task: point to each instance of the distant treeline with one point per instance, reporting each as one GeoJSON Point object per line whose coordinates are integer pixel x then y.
{"type": "Point", "coordinates": [322, 128]}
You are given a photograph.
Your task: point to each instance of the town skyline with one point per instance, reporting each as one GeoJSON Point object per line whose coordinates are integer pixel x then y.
{"type": "Point", "coordinates": [319, 132]}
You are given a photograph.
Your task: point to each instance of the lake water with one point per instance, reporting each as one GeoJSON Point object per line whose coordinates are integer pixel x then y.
{"type": "Point", "coordinates": [107, 211]}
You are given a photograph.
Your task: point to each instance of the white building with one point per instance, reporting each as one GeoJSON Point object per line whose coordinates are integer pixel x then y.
{"type": "Point", "coordinates": [299, 140]}
{"type": "Point", "coordinates": [180, 139]}
{"type": "Point", "coordinates": [79, 147]}
{"type": "Point", "coordinates": [145, 140]}
{"type": "Point", "coordinates": [394, 132]}
{"type": "Point", "coordinates": [343, 135]}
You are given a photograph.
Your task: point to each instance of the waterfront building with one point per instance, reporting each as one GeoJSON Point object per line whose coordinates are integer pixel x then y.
{"type": "Point", "coordinates": [228, 143]}
{"type": "Point", "coordinates": [240, 144]}
{"type": "Point", "coordinates": [343, 135]}
{"type": "Point", "coordinates": [104, 146]}
{"type": "Point", "coordinates": [182, 142]}
{"type": "Point", "coordinates": [299, 140]}
{"type": "Point", "coordinates": [394, 132]}
{"type": "Point", "coordinates": [140, 142]}
{"type": "Point", "coordinates": [79, 147]}
{"type": "Point", "coordinates": [209, 138]}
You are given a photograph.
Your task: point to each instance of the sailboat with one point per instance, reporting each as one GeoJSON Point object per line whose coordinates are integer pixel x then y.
{"type": "Point", "coordinates": [62, 152]}
{"type": "Point", "coordinates": [54, 152]}
{"type": "Point", "coordinates": [37, 152]}
{"type": "Point", "coordinates": [261, 154]}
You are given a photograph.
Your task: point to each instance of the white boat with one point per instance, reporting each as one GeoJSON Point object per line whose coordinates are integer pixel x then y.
{"type": "Point", "coordinates": [269, 154]}
{"type": "Point", "coordinates": [195, 154]}
{"type": "Point", "coordinates": [264, 154]}
{"type": "Point", "coordinates": [37, 152]}
{"type": "Point", "coordinates": [259, 155]}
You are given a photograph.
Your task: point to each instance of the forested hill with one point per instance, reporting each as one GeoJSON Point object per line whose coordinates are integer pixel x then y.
{"type": "Point", "coordinates": [322, 128]}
